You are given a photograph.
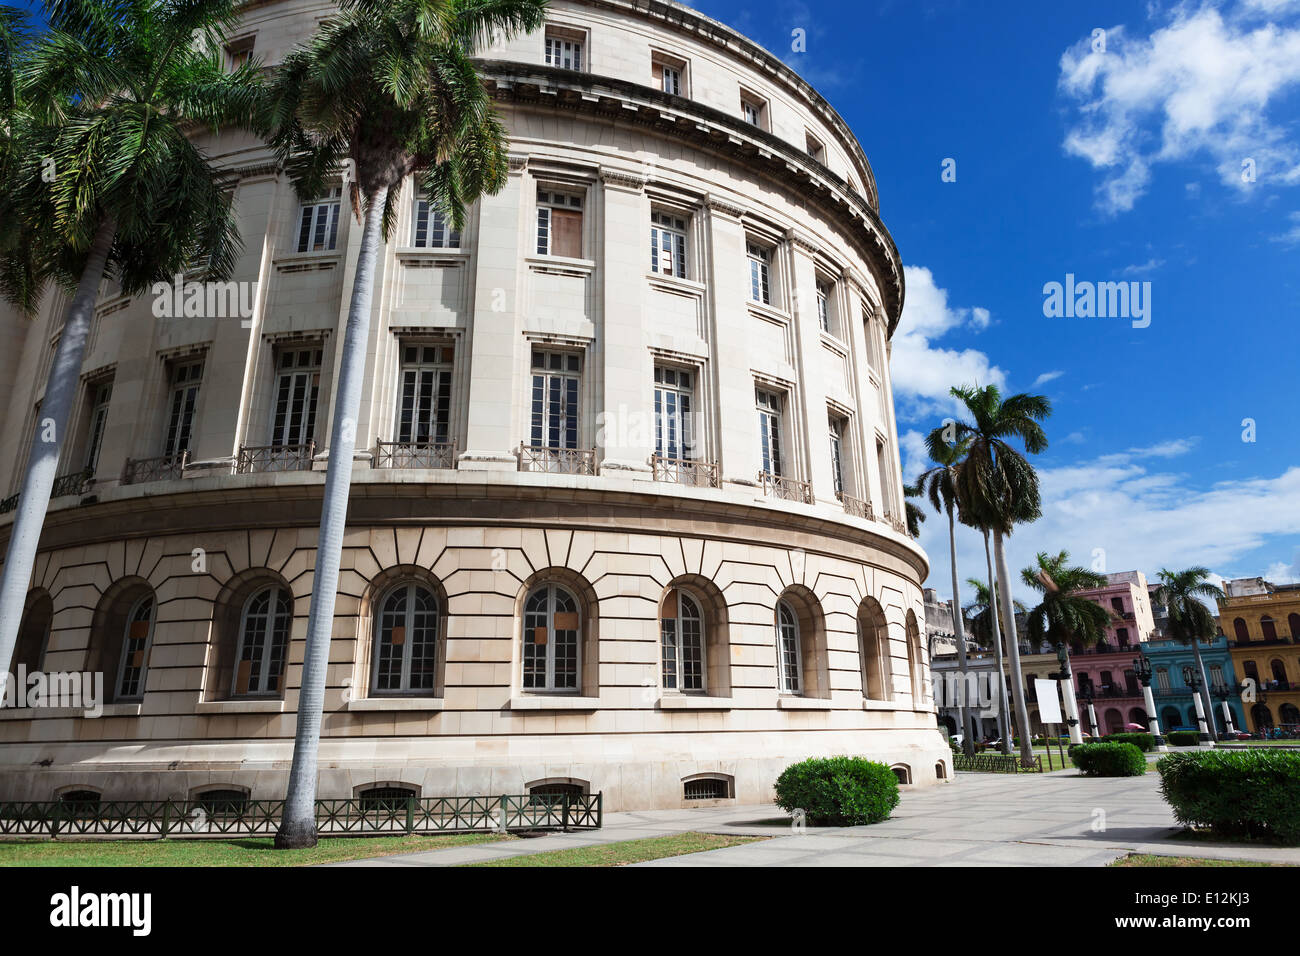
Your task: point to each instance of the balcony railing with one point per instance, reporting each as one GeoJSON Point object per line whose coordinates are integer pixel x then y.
{"type": "Point", "coordinates": [1262, 642]}
{"type": "Point", "coordinates": [895, 522]}
{"type": "Point", "coordinates": [685, 471]}
{"type": "Point", "coordinates": [9, 504]}
{"type": "Point", "coordinates": [855, 506]}
{"type": "Point", "coordinates": [787, 489]}
{"type": "Point", "coordinates": [76, 483]}
{"type": "Point", "coordinates": [557, 461]}
{"type": "Point", "coordinates": [415, 454]}
{"type": "Point", "coordinates": [258, 458]}
{"type": "Point", "coordinates": [163, 468]}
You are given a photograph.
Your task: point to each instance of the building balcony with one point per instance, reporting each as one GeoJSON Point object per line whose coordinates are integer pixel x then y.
{"type": "Point", "coordinates": [414, 454]}
{"type": "Point", "coordinates": [76, 483]}
{"type": "Point", "coordinates": [684, 471]}
{"type": "Point", "coordinates": [162, 468]}
{"type": "Point", "coordinates": [1264, 641]}
{"type": "Point", "coordinates": [787, 489]}
{"type": "Point", "coordinates": [855, 506]}
{"type": "Point", "coordinates": [253, 459]}
{"type": "Point", "coordinates": [557, 461]}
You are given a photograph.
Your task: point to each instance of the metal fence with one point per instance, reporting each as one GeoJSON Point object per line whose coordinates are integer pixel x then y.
{"type": "Point", "coordinates": [184, 819]}
{"type": "Point", "coordinates": [996, 763]}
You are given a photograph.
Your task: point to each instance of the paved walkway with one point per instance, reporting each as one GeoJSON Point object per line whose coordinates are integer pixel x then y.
{"type": "Point", "coordinates": [1058, 819]}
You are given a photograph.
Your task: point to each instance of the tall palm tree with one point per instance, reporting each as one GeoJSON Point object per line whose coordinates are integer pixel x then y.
{"type": "Point", "coordinates": [987, 630]}
{"type": "Point", "coordinates": [389, 86]}
{"type": "Point", "coordinates": [980, 611]}
{"type": "Point", "coordinates": [915, 516]}
{"type": "Point", "coordinates": [939, 484]}
{"type": "Point", "coordinates": [1190, 621]}
{"type": "Point", "coordinates": [1063, 616]}
{"type": "Point", "coordinates": [998, 488]}
{"type": "Point", "coordinates": [104, 181]}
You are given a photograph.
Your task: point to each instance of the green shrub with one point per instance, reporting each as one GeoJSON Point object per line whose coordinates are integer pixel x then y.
{"type": "Point", "coordinates": [1109, 759]}
{"type": "Point", "coordinates": [1184, 738]}
{"type": "Point", "coordinates": [1238, 793]}
{"type": "Point", "coordinates": [838, 791]}
{"type": "Point", "coordinates": [1143, 742]}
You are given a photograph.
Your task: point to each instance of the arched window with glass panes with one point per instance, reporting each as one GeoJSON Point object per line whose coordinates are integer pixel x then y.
{"type": "Point", "coordinates": [682, 643]}
{"type": "Point", "coordinates": [789, 655]}
{"type": "Point", "coordinates": [134, 663]}
{"type": "Point", "coordinates": [552, 641]}
{"type": "Point", "coordinates": [406, 642]}
{"type": "Point", "coordinates": [263, 643]}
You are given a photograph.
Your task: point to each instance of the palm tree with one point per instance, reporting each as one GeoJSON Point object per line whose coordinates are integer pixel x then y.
{"type": "Point", "coordinates": [1063, 616]}
{"type": "Point", "coordinates": [998, 488]}
{"type": "Point", "coordinates": [915, 516]}
{"type": "Point", "coordinates": [104, 180]}
{"type": "Point", "coordinates": [939, 484]}
{"type": "Point", "coordinates": [980, 611]}
{"type": "Point", "coordinates": [389, 86]}
{"type": "Point", "coordinates": [1190, 621]}
{"type": "Point", "coordinates": [985, 628]}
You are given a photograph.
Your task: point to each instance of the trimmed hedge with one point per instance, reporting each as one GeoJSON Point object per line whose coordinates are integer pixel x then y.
{"type": "Point", "coordinates": [838, 791]}
{"type": "Point", "coordinates": [1237, 793]}
{"type": "Point", "coordinates": [1109, 759]}
{"type": "Point", "coordinates": [1184, 738]}
{"type": "Point", "coordinates": [1143, 742]}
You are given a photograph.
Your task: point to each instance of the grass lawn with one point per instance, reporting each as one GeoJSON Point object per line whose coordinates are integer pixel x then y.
{"type": "Point", "coordinates": [247, 851]}
{"type": "Point", "coordinates": [629, 851]}
{"type": "Point", "coordinates": [1147, 859]}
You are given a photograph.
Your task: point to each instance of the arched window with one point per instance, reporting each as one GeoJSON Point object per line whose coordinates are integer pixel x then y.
{"type": "Point", "coordinates": [1268, 628]}
{"type": "Point", "coordinates": [385, 799]}
{"type": "Point", "coordinates": [1170, 718]}
{"type": "Point", "coordinates": [1289, 716]}
{"type": "Point", "coordinates": [222, 801]}
{"type": "Point", "coordinates": [1278, 670]}
{"type": "Point", "coordinates": [406, 642]}
{"type": "Point", "coordinates": [915, 660]}
{"type": "Point", "coordinates": [134, 663]}
{"type": "Point", "coordinates": [1293, 622]}
{"type": "Point", "coordinates": [681, 630]}
{"type": "Point", "coordinates": [552, 640]}
{"type": "Point", "coordinates": [263, 643]}
{"type": "Point", "coordinates": [940, 771]}
{"type": "Point", "coordinates": [34, 632]}
{"type": "Point", "coordinates": [789, 655]}
{"type": "Point", "coordinates": [903, 772]}
{"type": "Point", "coordinates": [1239, 628]}
{"type": "Point", "coordinates": [873, 650]}
{"type": "Point", "coordinates": [1262, 717]}
{"type": "Point", "coordinates": [79, 803]}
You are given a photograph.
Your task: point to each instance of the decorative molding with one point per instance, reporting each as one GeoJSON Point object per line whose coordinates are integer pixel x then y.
{"type": "Point", "coordinates": [621, 179]}
{"type": "Point", "coordinates": [723, 207]}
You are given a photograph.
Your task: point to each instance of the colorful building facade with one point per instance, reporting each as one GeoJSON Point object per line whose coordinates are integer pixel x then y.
{"type": "Point", "coordinates": [1261, 622]}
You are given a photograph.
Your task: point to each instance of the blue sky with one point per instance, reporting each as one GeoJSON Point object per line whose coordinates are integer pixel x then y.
{"type": "Point", "coordinates": [1122, 165]}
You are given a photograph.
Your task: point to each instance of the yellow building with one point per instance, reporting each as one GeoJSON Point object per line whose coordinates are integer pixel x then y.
{"type": "Point", "coordinates": [1262, 622]}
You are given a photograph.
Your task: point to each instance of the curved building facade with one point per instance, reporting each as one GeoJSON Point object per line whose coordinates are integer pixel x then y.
{"type": "Point", "coordinates": [628, 516]}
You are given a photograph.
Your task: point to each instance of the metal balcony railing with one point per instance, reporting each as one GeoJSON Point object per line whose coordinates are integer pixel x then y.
{"type": "Point", "coordinates": [685, 471]}
{"type": "Point", "coordinates": [162, 468]}
{"type": "Point", "coordinates": [9, 504]}
{"type": "Point", "coordinates": [259, 458]}
{"type": "Point", "coordinates": [557, 461]}
{"type": "Point", "coordinates": [415, 454]}
{"type": "Point", "coordinates": [855, 506]}
{"type": "Point", "coordinates": [787, 489]}
{"type": "Point", "coordinates": [76, 483]}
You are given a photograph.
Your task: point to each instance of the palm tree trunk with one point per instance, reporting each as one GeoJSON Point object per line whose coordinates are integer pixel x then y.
{"type": "Point", "coordinates": [298, 826]}
{"type": "Point", "coordinates": [1013, 649]}
{"type": "Point", "coordinates": [968, 739]}
{"type": "Point", "coordinates": [1004, 727]}
{"type": "Point", "coordinates": [47, 445]}
{"type": "Point", "coordinates": [1205, 690]}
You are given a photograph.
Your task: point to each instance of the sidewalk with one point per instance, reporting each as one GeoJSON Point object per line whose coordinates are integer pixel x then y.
{"type": "Point", "coordinates": [1058, 819]}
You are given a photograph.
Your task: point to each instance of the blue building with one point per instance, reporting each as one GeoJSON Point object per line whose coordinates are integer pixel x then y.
{"type": "Point", "coordinates": [1173, 694]}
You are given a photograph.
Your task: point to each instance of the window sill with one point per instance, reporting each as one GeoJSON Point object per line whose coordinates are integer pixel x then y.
{"type": "Point", "coordinates": [834, 342]}
{"type": "Point", "coordinates": [693, 702]}
{"type": "Point", "coordinates": [396, 703]}
{"type": "Point", "coordinates": [560, 264]}
{"type": "Point", "coordinates": [869, 704]}
{"type": "Point", "coordinates": [675, 283]}
{"type": "Point", "coordinates": [298, 258]}
{"type": "Point", "coordinates": [240, 707]}
{"type": "Point", "coordinates": [769, 312]}
{"type": "Point", "coordinates": [554, 702]}
{"type": "Point", "coordinates": [435, 252]}
{"type": "Point", "coordinates": [109, 710]}
{"type": "Point", "coordinates": [803, 703]}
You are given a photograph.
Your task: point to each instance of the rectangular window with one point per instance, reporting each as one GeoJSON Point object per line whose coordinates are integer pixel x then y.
{"type": "Point", "coordinates": [318, 223]}
{"type": "Point", "coordinates": [564, 49]}
{"type": "Point", "coordinates": [668, 244]}
{"type": "Point", "coordinates": [557, 387]}
{"type": "Point", "coordinates": [674, 404]}
{"type": "Point", "coordinates": [752, 108]}
{"type": "Point", "coordinates": [1162, 679]}
{"type": "Point", "coordinates": [814, 147]}
{"type": "Point", "coordinates": [872, 336]}
{"type": "Point", "coordinates": [836, 426]}
{"type": "Point", "coordinates": [823, 306]}
{"type": "Point", "coordinates": [181, 404]}
{"type": "Point", "coordinates": [769, 430]}
{"type": "Point", "coordinates": [886, 477]}
{"type": "Point", "coordinates": [239, 53]}
{"type": "Point", "coordinates": [100, 396]}
{"type": "Point", "coordinates": [430, 228]}
{"type": "Point", "coordinates": [760, 273]}
{"type": "Point", "coordinates": [424, 402]}
{"type": "Point", "coordinates": [297, 385]}
{"type": "Point", "coordinates": [668, 73]}
{"type": "Point", "coordinates": [559, 224]}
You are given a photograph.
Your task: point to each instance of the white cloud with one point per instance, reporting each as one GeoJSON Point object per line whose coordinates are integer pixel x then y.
{"type": "Point", "coordinates": [1047, 377]}
{"type": "Point", "coordinates": [1151, 265]}
{"type": "Point", "coordinates": [1292, 236]}
{"type": "Point", "coordinates": [1201, 85]}
{"type": "Point", "coordinates": [923, 371]}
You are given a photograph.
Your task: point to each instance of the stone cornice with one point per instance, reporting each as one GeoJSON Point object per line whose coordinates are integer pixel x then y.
{"type": "Point", "coordinates": [621, 179]}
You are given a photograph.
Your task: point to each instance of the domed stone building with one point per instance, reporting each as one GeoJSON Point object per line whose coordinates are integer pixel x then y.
{"type": "Point", "coordinates": [628, 517]}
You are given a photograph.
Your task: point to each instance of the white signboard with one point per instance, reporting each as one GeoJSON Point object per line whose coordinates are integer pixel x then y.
{"type": "Point", "coordinates": [1049, 707]}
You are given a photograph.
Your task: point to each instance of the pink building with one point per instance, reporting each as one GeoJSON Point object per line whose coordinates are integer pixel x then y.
{"type": "Point", "coordinates": [1105, 671]}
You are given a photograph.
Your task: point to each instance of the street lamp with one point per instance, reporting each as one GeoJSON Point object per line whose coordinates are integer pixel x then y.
{"type": "Point", "coordinates": [1067, 691]}
{"type": "Point", "coordinates": [1142, 667]}
{"type": "Point", "coordinates": [1193, 681]}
